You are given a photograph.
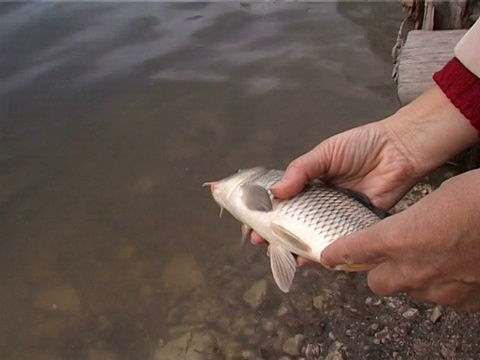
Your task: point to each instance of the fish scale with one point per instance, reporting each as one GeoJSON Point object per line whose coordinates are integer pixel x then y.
{"type": "Point", "coordinates": [330, 212]}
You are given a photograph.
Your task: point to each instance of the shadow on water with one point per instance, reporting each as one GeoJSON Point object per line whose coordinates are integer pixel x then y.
{"type": "Point", "coordinates": [112, 116]}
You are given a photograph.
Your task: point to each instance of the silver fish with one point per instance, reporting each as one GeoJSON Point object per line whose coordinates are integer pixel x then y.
{"type": "Point", "coordinates": [303, 225]}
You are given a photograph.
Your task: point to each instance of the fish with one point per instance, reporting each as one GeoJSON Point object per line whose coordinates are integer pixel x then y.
{"type": "Point", "coordinates": [303, 225]}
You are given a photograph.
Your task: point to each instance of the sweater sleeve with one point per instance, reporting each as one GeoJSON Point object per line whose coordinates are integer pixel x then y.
{"type": "Point", "coordinates": [460, 77]}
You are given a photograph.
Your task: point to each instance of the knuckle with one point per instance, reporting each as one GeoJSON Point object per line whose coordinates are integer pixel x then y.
{"type": "Point", "coordinates": [415, 278]}
{"type": "Point", "coordinates": [296, 165]}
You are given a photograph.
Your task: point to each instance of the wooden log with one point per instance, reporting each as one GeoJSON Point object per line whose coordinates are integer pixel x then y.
{"type": "Point", "coordinates": [450, 15]}
{"type": "Point", "coordinates": [423, 53]}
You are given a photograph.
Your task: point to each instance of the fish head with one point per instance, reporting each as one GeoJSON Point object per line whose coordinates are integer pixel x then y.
{"type": "Point", "coordinates": [227, 191]}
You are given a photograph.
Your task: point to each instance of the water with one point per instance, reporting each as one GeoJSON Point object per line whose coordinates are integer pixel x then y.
{"type": "Point", "coordinates": [111, 117]}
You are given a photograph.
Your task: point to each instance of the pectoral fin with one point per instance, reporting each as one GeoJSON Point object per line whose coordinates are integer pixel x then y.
{"type": "Point", "coordinates": [256, 197]}
{"type": "Point", "coordinates": [281, 232]}
{"type": "Point", "coordinates": [283, 266]}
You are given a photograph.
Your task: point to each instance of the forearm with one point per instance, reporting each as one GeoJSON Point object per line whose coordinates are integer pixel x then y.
{"type": "Point", "coordinates": [446, 119]}
{"type": "Point", "coordinates": [432, 130]}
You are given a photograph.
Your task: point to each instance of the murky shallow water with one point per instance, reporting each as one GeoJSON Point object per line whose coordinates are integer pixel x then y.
{"type": "Point", "coordinates": [111, 117]}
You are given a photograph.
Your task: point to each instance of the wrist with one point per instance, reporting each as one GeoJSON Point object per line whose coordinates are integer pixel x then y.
{"type": "Point", "coordinates": [430, 131]}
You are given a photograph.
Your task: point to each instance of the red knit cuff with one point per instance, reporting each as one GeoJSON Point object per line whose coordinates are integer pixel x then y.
{"type": "Point", "coordinates": [462, 88]}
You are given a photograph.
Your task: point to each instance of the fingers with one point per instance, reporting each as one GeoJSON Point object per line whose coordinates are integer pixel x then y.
{"type": "Point", "coordinates": [301, 261]}
{"type": "Point", "coordinates": [307, 167]}
{"type": "Point", "coordinates": [256, 239]}
{"type": "Point", "coordinates": [386, 280]}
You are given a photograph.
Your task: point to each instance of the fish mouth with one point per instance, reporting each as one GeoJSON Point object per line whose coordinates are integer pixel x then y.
{"type": "Point", "coordinates": [214, 186]}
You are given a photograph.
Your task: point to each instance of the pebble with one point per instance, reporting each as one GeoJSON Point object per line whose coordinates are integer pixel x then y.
{"type": "Point", "coordinates": [436, 314]}
{"type": "Point", "coordinates": [321, 301]}
{"type": "Point", "coordinates": [283, 333]}
{"type": "Point", "coordinates": [256, 294]}
{"type": "Point", "coordinates": [292, 345]}
{"type": "Point", "coordinates": [282, 310]}
{"type": "Point", "coordinates": [373, 328]}
{"type": "Point", "coordinates": [334, 351]}
{"type": "Point", "coordinates": [269, 324]}
{"type": "Point", "coordinates": [247, 355]}
{"type": "Point", "coordinates": [182, 274]}
{"type": "Point", "coordinates": [383, 336]}
{"type": "Point", "coordinates": [189, 346]}
{"type": "Point", "coordinates": [373, 302]}
{"type": "Point", "coordinates": [410, 313]}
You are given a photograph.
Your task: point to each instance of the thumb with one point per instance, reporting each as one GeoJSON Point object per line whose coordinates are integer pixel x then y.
{"type": "Point", "coordinates": [305, 168]}
{"type": "Point", "coordinates": [364, 247]}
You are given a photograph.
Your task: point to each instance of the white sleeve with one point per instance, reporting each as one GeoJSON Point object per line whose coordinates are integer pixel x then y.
{"type": "Point", "coordinates": [467, 51]}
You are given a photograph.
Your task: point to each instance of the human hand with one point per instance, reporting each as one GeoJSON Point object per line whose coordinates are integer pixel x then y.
{"type": "Point", "coordinates": [431, 250]}
{"type": "Point", "coordinates": [386, 158]}
{"type": "Point", "coordinates": [368, 159]}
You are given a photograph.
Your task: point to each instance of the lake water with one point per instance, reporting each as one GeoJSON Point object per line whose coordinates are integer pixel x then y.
{"type": "Point", "coordinates": [112, 115]}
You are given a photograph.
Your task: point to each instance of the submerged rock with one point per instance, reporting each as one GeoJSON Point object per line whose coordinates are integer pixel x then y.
{"type": "Point", "coordinates": [293, 345]}
{"type": "Point", "coordinates": [435, 314]}
{"type": "Point", "coordinates": [334, 352]}
{"type": "Point", "coordinates": [320, 302]}
{"type": "Point", "coordinates": [256, 294]}
{"type": "Point", "coordinates": [199, 345]}
{"type": "Point", "coordinates": [182, 274]}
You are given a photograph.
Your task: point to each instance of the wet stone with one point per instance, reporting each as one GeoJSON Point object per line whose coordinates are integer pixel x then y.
{"type": "Point", "coordinates": [247, 355]}
{"type": "Point", "coordinates": [196, 345]}
{"type": "Point", "coordinates": [320, 302]}
{"type": "Point", "coordinates": [256, 294]}
{"type": "Point", "coordinates": [435, 314]}
{"type": "Point", "coordinates": [182, 274]}
{"type": "Point", "coordinates": [383, 336]}
{"type": "Point", "coordinates": [291, 347]}
{"type": "Point", "coordinates": [269, 324]}
{"type": "Point", "coordinates": [283, 333]}
{"type": "Point", "coordinates": [282, 310]}
{"type": "Point", "coordinates": [410, 313]}
{"type": "Point", "coordinates": [312, 350]}
{"type": "Point", "coordinates": [334, 352]}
